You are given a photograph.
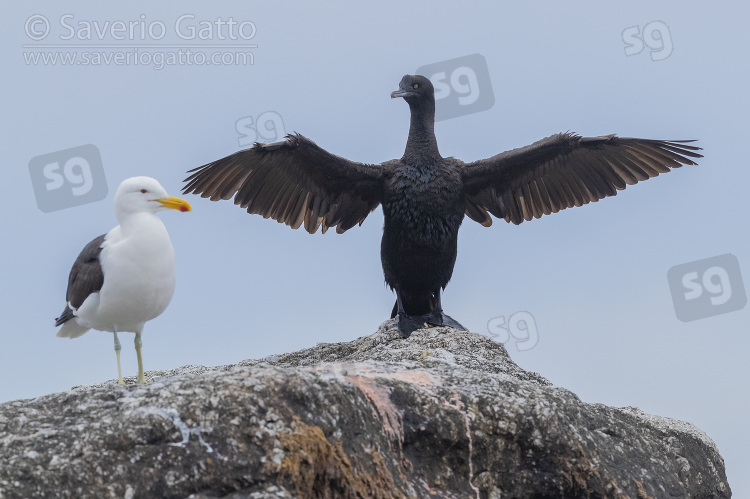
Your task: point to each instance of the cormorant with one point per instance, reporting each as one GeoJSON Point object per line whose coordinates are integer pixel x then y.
{"type": "Point", "coordinates": [126, 277]}
{"type": "Point", "coordinates": [425, 196]}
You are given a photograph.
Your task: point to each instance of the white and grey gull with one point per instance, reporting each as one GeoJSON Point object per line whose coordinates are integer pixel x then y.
{"type": "Point", "coordinates": [126, 277]}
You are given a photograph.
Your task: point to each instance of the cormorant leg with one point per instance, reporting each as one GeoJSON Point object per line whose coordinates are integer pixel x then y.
{"type": "Point", "coordinates": [118, 347]}
{"type": "Point", "coordinates": [446, 319]}
{"type": "Point", "coordinates": [138, 344]}
{"type": "Point", "coordinates": [438, 302]}
{"type": "Point", "coordinates": [406, 324]}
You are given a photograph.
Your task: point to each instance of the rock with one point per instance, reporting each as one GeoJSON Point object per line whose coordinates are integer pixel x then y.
{"type": "Point", "coordinates": [441, 414]}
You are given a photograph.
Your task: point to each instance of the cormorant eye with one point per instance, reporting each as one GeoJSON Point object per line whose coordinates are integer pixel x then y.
{"type": "Point", "coordinates": [144, 191]}
{"type": "Point", "coordinates": [416, 85]}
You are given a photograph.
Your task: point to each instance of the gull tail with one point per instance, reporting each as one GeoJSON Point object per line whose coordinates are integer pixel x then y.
{"type": "Point", "coordinates": [70, 327]}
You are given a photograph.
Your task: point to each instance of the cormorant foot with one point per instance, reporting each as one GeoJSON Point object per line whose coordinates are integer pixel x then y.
{"type": "Point", "coordinates": [451, 322]}
{"type": "Point", "coordinates": [407, 324]}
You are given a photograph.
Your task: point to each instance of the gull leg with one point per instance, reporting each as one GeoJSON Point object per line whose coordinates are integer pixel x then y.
{"type": "Point", "coordinates": [138, 345]}
{"type": "Point", "coordinates": [118, 347]}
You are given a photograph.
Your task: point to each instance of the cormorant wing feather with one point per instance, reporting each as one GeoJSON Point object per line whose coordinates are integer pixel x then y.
{"type": "Point", "coordinates": [565, 170]}
{"type": "Point", "coordinates": [294, 182]}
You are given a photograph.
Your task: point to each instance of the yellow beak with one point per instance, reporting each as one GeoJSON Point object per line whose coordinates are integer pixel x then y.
{"type": "Point", "coordinates": [175, 203]}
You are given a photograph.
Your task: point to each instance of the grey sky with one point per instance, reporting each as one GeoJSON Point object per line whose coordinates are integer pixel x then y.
{"type": "Point", "coordinates": [594, 278]}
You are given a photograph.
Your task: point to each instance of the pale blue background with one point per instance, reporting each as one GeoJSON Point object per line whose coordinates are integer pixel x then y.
{"type": "Point", "coordinates": [593, 277]}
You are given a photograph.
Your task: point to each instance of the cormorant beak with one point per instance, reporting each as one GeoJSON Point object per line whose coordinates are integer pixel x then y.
{"type": "Point", "coordinates": [402, 93]}
{"type": "Point", "coordinates": [175, 203]}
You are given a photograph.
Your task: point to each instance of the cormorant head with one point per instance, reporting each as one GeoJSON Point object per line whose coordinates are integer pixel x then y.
{"type": "Point", "coordinates": [415, 89]}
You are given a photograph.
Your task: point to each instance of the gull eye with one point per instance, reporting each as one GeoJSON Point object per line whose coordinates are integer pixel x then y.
{"type": "Point", "coordinates": [416, 85]}
{"type": "Point", "coordinates": [144, 191]}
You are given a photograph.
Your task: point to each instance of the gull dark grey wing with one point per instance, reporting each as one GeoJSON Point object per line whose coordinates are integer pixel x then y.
{"type": "Point", "coordinates": [293, 182]}
{"type": "Point", "coordinates": [85, 277]}
{"type": "Point", "coordinates": [565, 170]}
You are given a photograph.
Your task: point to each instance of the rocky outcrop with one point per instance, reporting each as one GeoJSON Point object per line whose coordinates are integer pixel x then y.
{"type": "Point", "coordinates": [441, 414]}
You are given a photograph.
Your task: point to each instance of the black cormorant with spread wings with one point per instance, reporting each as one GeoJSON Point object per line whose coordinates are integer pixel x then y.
{"type": "Point", "coordinates": [425, 196]}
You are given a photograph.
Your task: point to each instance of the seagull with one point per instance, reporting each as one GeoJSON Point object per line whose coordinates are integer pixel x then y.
{"type": "Point", "coordinates": [426, 196]}
{"type": "Point", "coordinates": [126, 277]}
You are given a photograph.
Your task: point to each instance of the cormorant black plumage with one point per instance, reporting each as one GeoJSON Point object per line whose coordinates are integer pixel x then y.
{"type": "Point", "coordinates": [426, 196]}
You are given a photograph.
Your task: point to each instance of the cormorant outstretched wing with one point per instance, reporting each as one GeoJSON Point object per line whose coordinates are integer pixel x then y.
{"type": "Point", "coordinates": [294, 182]}
{"type": "Point", "coordinates": [562, 171]}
